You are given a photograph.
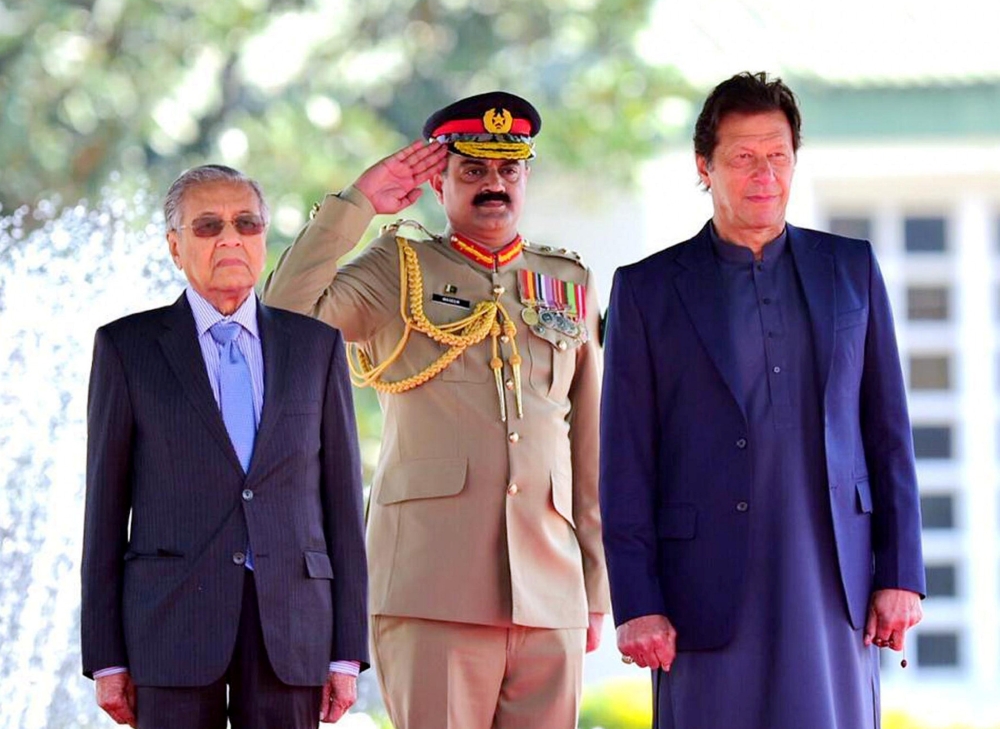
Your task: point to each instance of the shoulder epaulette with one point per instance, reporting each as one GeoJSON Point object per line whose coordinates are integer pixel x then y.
{"type": "Point", "coordinates": [395, 227]}
{"type": "Point", "coordinates": [555, 252]}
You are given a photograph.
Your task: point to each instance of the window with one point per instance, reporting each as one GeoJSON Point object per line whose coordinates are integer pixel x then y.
{"type": "Point", "coordinates": [937, 512]}
{"type": "Point", "coordinates": [930, 372]}
{"type": "Point", "coordinates": [932, 441]}
{"type": "Point", "coordinates": [941, 580]}
{"type": "Point", "coordinates": [852, 227]}
{"type": "Point", "coordinates": [927, 303]}
{"type": "Point", "coordinates": [937, 649]}
{"type": "Point", "coordinates": [924, 235]}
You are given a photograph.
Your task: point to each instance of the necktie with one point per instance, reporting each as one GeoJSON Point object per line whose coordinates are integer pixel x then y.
{"type": "Point", "coordinates": [236, 397]}
{"type": "Point", "coordinates": [235, 391]}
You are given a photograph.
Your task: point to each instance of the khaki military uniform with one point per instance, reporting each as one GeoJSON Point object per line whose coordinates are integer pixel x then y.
{"type": "Point", "coordinates": [472, 519]}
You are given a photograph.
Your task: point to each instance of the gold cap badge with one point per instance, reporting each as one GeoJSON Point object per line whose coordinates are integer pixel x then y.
{"type": "Point", "coordinates": [498, 122]}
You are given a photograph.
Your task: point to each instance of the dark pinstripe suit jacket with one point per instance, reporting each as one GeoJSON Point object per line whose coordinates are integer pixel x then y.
{"type": "Point", "coordinates": [168, 506]}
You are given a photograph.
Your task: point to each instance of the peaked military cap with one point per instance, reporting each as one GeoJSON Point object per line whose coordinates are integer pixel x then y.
{"type": "Point", "coordinates": [495, 125]}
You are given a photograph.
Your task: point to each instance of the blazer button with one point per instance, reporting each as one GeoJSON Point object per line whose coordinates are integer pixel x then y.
{"type": "Point", "coordinates": [239, 558]}
{"type": "Point", "coordinates": [247, 495]}
{"type": "Point", "coordinates": [741, 443]}
{"type": "Point", "coordinates": [513, 489]}
{"type": "Point", "coordinates": [742, 506]}
{"type": "Point", "coordinates": [514, 437]}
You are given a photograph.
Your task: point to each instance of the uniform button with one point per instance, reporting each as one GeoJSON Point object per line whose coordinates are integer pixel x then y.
{"type": "Point", "coordinates": [504, 338]}
{"type": "Point", "coordinates": [766, 300]}
{"type": "Point", "coordinates": [239, 558]}
{"type": "Point", "coordinates": [513, 489]}
{"type": "Point", "coordinates": [777, 370]}
{"type": "Point", "coordinates": [247, 495]}
{"type": "Point", "coordinates": [509, 384]}
{"type": "Point", "coordinates": [561, 344]}
{"type": "Point", "coordinates": [742, 506]}
{"type": "Point", "coordinates": [741, 443]}
{"type": "Point", "coordinates": [499, 290]}
{"type": "Point", "coordinates": [513, 437]}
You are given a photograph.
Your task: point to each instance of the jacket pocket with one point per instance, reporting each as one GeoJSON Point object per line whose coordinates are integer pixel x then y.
{"type": "Point", "coordinates": [677, 521]}
{"type": "Point", "coordinates": [562, 496]}
{"type": "Point", "coordinates": [852, 318]}
{"type": "Point", "coordinates": [420, 479]}
{"type": "Point", "coordinates": [160, 553]}
{"type": "Point", "coordinates": [864, 497]}
{"type": "Point", "coordinates": [318, 565]}
{"type": "Point", "coordinates": [301, 407]}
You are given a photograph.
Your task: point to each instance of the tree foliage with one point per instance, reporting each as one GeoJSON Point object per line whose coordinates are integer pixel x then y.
{"type": "Point", "coordinates": [303, 94]}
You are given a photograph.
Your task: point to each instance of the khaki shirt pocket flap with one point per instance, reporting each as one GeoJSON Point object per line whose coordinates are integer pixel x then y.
{"type": "Point", "coordinates": [557, 339]}
{"type": "Point", "coordinates": [421, 479]}
{"type": "Point", "coordinates": [677, 521]}
{"type": "Point", "coordinates": [318, 565]}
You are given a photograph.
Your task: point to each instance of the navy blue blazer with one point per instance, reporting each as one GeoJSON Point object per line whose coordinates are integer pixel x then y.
{"type": "Point", "coordinates": [169, 510]}
{"type": "Point", "coordinates": [675, 455]}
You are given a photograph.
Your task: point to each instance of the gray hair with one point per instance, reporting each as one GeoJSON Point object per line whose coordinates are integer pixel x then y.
{"type": "Point", "coordinates": [200, 176]}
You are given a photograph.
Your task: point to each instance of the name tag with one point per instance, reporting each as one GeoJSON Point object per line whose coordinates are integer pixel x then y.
{"type": "Point", "coordinates": [451, 301]}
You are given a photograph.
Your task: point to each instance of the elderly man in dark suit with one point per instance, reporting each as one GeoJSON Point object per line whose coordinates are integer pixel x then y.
{"type": "Point", "coordinates": [758, 490]}
{"type": "Point", "coordinates": [223, 540]}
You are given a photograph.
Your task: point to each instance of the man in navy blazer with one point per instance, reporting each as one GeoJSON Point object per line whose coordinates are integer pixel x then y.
{"type": "Point", "coordinates": [218, 558]}
{"type": "Point", "coordinates": [758, 491]}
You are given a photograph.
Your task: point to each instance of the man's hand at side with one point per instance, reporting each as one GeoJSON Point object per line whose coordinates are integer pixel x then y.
{"type": "Point", "coordinates": [890, 614]}
{"type": "Point", "coordinates": [116, 695]}
{"type": "Point", "coordinates": [595, 621]}
{"type": "Point", "coordinates": [339, 694]}
{"type": "Point", "coordinates": [650, 641]}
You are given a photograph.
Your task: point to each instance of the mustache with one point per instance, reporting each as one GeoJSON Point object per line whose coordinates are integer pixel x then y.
{"type": "Point", "coordinates": [485, 197]}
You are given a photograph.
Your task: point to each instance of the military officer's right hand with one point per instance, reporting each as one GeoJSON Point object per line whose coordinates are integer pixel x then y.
{"type": "Point", "coordinates": [650, 641]}
{"type": "Point", "coordinates": [393, 183]}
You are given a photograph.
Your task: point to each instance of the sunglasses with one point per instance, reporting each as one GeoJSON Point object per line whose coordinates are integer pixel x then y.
{"type": "Point", "coordinates": [210, 226]}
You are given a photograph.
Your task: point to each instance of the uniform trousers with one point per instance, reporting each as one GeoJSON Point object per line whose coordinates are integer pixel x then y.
{"type": "Point", "coordinates": [444, 675]}
{"type": "Point", "coordinates": [257, 698]}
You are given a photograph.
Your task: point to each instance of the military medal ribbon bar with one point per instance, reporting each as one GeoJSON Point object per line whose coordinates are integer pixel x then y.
{"type": "Point", "coordinates": [539, 291]}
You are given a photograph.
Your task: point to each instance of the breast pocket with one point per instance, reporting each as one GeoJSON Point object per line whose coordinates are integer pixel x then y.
{"type": "Point", "coordinates": [848, 319]}
{"type": "Point", "coordinates": [553, 363]}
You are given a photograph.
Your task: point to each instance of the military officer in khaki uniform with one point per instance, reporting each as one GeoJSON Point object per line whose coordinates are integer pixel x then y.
{"type": "Point", "coordinates": [486, 567]}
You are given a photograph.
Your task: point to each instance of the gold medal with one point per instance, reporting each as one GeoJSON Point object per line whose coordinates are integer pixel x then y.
{"type": "Point", "coordinates": [529, 316]}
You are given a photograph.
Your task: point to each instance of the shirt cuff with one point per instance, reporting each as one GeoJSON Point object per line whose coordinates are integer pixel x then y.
{"type": "Point", "coordinates": [110, 671]}
{"type": "Point", "coordinates": [351, 668]}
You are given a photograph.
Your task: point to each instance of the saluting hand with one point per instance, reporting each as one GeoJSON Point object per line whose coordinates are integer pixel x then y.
{"type": "Point", "coordinates": [393, 183]}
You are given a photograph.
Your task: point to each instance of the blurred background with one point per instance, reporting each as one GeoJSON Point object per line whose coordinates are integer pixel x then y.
{"type": "Point", "coordinates": [104, 102]}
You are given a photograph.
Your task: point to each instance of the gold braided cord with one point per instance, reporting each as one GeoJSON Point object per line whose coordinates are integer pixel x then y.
{"type": "Point", "coordinates": [458, 335]}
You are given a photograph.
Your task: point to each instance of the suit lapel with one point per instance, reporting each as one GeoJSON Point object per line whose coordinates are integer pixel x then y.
{"type": "Point", "coordinates": [814, 263]}
{"type": "Point", "coordinates": [179, 342]}
{"type": "Point", "coordinates": [701, 290]}
{"type": "Point", "coordinates": [274, 341]}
